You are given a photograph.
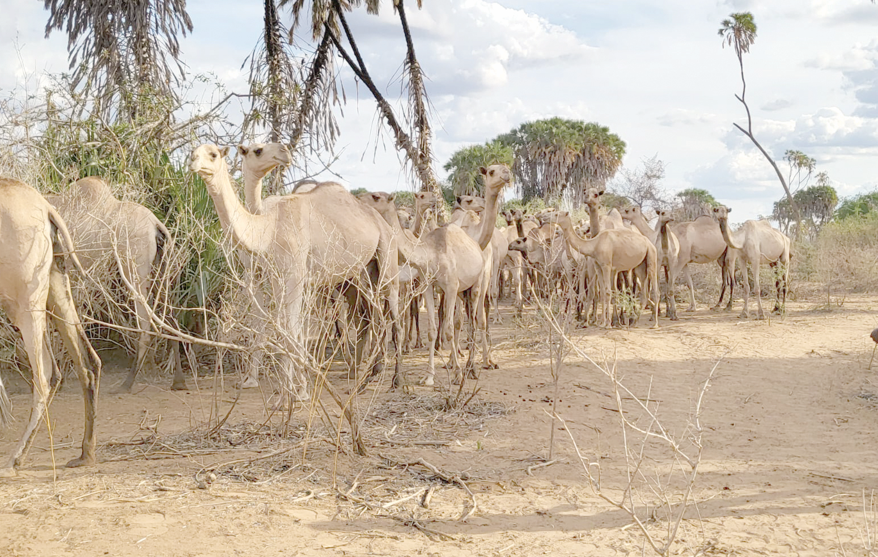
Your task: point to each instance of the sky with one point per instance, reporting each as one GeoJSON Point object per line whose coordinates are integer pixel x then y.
{"type": "Point", "coordinates": [654, 72]}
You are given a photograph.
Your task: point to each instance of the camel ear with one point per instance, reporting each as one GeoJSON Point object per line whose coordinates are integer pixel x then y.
{"type": "Point", "coordinates": [376, 197]}
{"type": "Point", "coordinates": [458, 199]}
{"type": "Point", "coordinates": [601, 192]}
{"type": "Point", "coordinates": [728, 210]}
{"type": "Point", "coordinates": [391, 197]}
{"type": "Point", "coordinates": [224, 151]}
{"type": "Point", "coordinates": [483, 171]}
{"type": "Point", "coordinates": [242, 150]}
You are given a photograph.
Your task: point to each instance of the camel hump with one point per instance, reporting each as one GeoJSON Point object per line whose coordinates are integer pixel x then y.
{"type": "Point", "coordinates": [93, 187]}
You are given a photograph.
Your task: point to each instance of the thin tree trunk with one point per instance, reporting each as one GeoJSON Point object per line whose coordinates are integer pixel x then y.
{"type": "Point", "coordinates": [314, 75]}
{"type": "Point", "coordinates": [273, 52]}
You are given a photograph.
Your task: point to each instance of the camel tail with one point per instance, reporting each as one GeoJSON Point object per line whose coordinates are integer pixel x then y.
{"type": "Point", "coordinates": [5, 407]}
{"type": "Point", "coordinates": [64, 235]}
{"type": "Point", "coordinates": [163, 248]}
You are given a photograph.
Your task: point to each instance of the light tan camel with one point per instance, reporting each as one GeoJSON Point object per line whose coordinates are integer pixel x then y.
{"type": "Point", "coordinates": [320, 238]}
{"type": "Point", "coordinates": [666, 244]}
{"type": "Point", "coordinates": [756, 242]}
{"type": "Point", "coordinates": [34, 285]}
{"type": "Point", "coordinates": [499, 249]}
{"type": "Point", "coordinates": [456, 262]}
{"type": "Point", "coordinates": [614, 251]}
{"type": "Point", "coordinates": [103, 227]}
{"type": "Point", "coordinates": [700, 242]}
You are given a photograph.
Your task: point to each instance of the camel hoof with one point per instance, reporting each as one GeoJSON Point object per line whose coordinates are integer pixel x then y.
{"type": "Point", "coordinates": [81, 461]}
{"type": "Point", "coordinates": [427, 381]}
{"type": "Point", "coordinates": [691, 308]}
{"type": "Point", "coordinates": [179, 386]}
{"type": "Point", "coordinates": [490, 365]}
{"type": "Point", "coordinates": [250, 383]}
{"type": "Point", "coordinates": [673, 317]}
{"type": "Point", "coordinates": [760, 317]}
{"type": "Point", "coordinates": [123, 389]}
{"type": "Point", "coordinates": [744, 315]}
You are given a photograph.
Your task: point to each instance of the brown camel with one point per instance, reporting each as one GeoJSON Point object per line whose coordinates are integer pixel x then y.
{"type": "Point", "coordinates": [103, 227]}
{"type": "Point", "coordinates": [321, 237]}
{"type": "Point", "coordinates": [756, 242]}
{"type": "Point", "coordinates": [34, 285]}
{"type": "Point", "coordinates": [614, 251]}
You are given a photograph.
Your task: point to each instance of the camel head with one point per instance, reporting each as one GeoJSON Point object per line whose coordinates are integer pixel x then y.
{"type": "Point", "coordinates": [721, 213]}
{"type": "Point", "coordinates": [262, 158]}
{"type": "Point", "coordinates": [380, 201]}
{"type": "Point", "coordinates": [629, 213]}
{"type": "Point", "coordinates": [496, 177]}
{"type": "Point", "coordinates": [561, 218]}
{"type": "Point", "coordinates": [520, 244]}
{"type": "Point", "coordinates": [663, 216]}
{"type": "Point", "coordinates": [593, 197]}
{"type": "Point", "coordinates": [471, 203]}
{"type": "Point", "coordinates": [507, 216]}
{"type": "Point", "coordinates": [405, 218]}
{"type": "Point", "coordinates": [208, 160]}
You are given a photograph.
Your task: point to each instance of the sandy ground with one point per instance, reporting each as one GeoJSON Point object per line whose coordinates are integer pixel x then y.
{"type": "Point", "coordinates": [788, 467]}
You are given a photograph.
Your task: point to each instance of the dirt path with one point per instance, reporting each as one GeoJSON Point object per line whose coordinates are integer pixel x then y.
{"type": "Point", "coordinates": [791, 445]}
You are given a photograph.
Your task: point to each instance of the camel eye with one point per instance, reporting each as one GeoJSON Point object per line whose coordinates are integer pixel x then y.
{"type": "Point", "coordinates": [213, 156]}
{"type": "Point", "coordinates": [258, 152]}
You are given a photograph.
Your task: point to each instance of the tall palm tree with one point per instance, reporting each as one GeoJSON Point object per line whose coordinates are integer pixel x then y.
{"type": "Point", "coordinates": [464, 164]}
{"type": "Point", "coordinates": [739, 31]}
{"type": "Point", "coordinates": [121, 50]}
{"type": "Point", "coordinates": [557, 157]}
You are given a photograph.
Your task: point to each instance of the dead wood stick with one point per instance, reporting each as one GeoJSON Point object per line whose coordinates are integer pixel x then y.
{"type": "Point", "coordinates": [530, 469]}
{"type": "Point", "coordinates": [418, 493]}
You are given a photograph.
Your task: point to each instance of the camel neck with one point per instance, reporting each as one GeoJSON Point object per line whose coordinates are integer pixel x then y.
{"type": "Point", "coordinates": [246, 228]}
{"type": "Point", "coordinates": [489, 217]}
{"type": "Point", "coordinates": [585, 247]}
{"type": "Point", "coordinates": [727, 235]}
{"type": "Point", "coordinates": [411, 253]}
{"type": "Point", "coordinates": [640, 223]}
{"type": "Point", "coordinates": [253, 192]}
{"type": "Point", "coordinates": [594, 221]}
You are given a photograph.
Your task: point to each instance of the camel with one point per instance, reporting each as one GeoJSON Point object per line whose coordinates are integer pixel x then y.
{"type": "Point", "coordinates": [34, 285]}
{"type": "Point", "coordinates": [499, 249]}
{"type": "Point", "coordinates": [756, 243]}
{"type": "Point", "coordinates": [103, 227]}
{"type": "Point", "coordinates": [321, 238]}
{"type": "Point", "coordinates": [614, 251]}
{"type": "Point", "coordinates": [667, 245]}
{"type": "Point", "coordinates": [456, 262]}
{"type": "Point", "coordinates": [700, 242]}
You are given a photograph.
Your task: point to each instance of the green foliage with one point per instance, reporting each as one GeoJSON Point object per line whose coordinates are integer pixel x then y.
{"type": "Point", "coordinates": [863, 205]}
{"type": "Point", "coordinates": [465, 178]}
{"type": "Point", "coordinates": [613, 201]}
{"type": "Point", "coordinates": [358, 191]}
{"type": "Point", "coordinates": [405, 199]}
{"type": "Point", "coordinates": [739, 31]}
{"type": "Point", "coordinates": [557, 157]}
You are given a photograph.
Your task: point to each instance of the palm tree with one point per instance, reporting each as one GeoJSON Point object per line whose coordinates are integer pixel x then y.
{"type": "Point", "coordinates": [122, 51]}
{"type": "Point", "coordinates": [464, 164]}
{"type": "Point", "coordinates": [329, 26]}
{"type": "Point", "coordinates": [739, 31]}
{"type": "Point", "coordinates": [553, 154]}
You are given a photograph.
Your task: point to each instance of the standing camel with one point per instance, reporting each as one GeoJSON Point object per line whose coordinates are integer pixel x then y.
{"type": "Point", "coordinates": [319, 239]}
{"type": "Point", "coordinates": [756, 243]}
{"type": "Point", "coordinates": [103, 227]}
{"type": "Point", "coordinates": [614, 251]}
{"type": "Point", "coordinates": [34, 285]}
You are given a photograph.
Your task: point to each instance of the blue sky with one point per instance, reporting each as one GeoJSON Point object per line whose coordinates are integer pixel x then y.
{"type": "Point", "coordinates": [654, 72]}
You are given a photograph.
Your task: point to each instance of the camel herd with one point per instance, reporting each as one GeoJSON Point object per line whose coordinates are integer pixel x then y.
{"type": "Point", "coordinates": [321, 237]}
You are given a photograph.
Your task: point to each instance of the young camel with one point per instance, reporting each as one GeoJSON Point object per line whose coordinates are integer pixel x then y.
{"type": "Point", "coordinates": [614, 251]}
{"type": "Point", "coordinates": [103, 227]}
{"type": "Point", "coordinates": [756, 243]}
{"type": "Point", "coordinates": [320, 238]}
{"type": "Point", "coordinates": [34, 285]}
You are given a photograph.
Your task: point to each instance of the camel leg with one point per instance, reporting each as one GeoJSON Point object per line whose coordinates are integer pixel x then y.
{"type": "Point", "coordinates": [473, 311]}
{"type": "Point", "coordinates": [291, 325]}
{"type": "Point", "coordinates": [757, 288]}
{"type": "Point", "coordinates": [32, 325]}
{"type": "Point", "coordinates": [179, 381]}
{"type": "Point", "coordinates": [431, 335]}
{"type": "Point", "coordinates": [729, 278]}
{"type": "Point", "coordinates": [607, 279]}
{"type": "Point", "coordinates": [671, 278]}
{"type": "Point", "coordinates": [391, 305]}
{"type": "Point", "coordinates": [746, 312]}
{"type": "Point", "coordinates": [257, 319]}
{"type": "Point", "coordinates": [143, 338]}
{"type": "Point", "coordinates": [85, 361]}
{"type": "Point", "coordinates": [691, 285]}
{"type": "Point", "coordinates": [449, 327]}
